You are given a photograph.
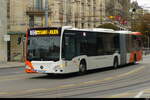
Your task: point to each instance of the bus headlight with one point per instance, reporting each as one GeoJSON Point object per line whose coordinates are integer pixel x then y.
{"type": "Point", "coordinates": [57, 67]}
{"type": "Point", "coordinates": [62, 65]}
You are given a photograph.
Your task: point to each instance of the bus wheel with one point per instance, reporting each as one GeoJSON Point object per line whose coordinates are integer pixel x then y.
{"type": "Point", "coordinates": [115, 65]}
{"type": "Point", "coordinates": [134, 62]}
{"type": "Point", "coordinates": [82, 67]}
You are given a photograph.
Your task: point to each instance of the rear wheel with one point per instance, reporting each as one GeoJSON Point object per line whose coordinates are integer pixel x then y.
{"type": "Point", "coordinates": [82, 68]}
{"type": "Point", "coordinates": [135, 60]}
{"type": "Point", "coordinates": [116, 64]}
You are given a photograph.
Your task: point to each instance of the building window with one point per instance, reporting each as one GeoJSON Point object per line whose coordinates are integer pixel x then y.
{"type": "Point", "coordinates": [38, 4]}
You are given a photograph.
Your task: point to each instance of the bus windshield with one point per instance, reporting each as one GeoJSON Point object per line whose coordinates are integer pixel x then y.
{"type": "Point", "coordinates": [43, 48]}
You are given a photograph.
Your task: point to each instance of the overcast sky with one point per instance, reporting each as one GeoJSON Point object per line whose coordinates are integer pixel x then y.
{"type": "Point", "coordinates": [143, 3]}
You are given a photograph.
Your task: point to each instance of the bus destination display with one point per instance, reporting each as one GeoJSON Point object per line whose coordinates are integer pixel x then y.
{"type": "Point", "coordinates": [45, 32]}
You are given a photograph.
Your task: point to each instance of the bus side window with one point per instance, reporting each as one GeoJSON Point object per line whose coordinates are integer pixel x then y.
{"type": "Point", "coordinates": [116, 42]}
{"type": "Point", "coordinates": [100, 46]}
{"type": "Point", "coordinates": [83, 46]}
{"type": "Point", "coordinates": [91, 44]}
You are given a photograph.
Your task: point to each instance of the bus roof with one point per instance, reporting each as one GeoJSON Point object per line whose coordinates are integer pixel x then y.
{"type": "Point", "coordinates": [94, 30]}
{"type": "Point", "coordinates": [129, 32]}
{"type": "Point", "coordinates": [137, 33]}
{"type": "Point", "coordinates": [124, 32]}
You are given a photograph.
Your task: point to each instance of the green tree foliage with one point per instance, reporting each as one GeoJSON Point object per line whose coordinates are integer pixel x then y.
{"type": "Point", "coordinates": [143, 24]}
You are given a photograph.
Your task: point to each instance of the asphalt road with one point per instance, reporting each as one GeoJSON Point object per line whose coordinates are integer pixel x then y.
{"type": "Point", "coordinates": [131, 81]}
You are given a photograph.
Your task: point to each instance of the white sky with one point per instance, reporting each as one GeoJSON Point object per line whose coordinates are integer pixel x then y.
{"type": "Point", "coordinates": [143, 3]}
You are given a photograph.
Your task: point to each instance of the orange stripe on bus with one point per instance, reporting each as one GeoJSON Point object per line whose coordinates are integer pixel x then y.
{"type": "Point", "coordinates": [30, 65]}
{"type": "Point", "coordinates": [30, 71]}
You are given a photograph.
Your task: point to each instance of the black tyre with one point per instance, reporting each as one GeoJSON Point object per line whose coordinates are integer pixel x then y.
{"type": "Point", "coordinates": [135, 60]}
{"type": "Point", "coordinates": [82, 68]}
{"type": "Point", "coordinates": [116, 63]}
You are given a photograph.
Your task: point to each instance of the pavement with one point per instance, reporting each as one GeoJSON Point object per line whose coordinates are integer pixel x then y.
{"type": "Point", "coordinates": [11, 64]}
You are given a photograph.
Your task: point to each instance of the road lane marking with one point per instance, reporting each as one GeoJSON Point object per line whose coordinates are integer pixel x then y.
{"type": "Point", "coordinates": [66, 86]}
{"type": "Point", "coordinates": [121, 95]}
{"type": "Point", "coordinates": [14, 77]}
{"type": "Point", "coordinates": [89, 82]}
{"type": "Point", "coordinates": [3, 93]}
{"type": "Point", "coordinates": [139, 94]}
{"type": "Point", "coordinates": [109, 78]}
{"type": "Point", "coordinates": [147, 91]}
{"type": "Point", "coordinates": [34, 90]}
{"type": "Point", "coordinates": [71, 85]}
{"type": "Point", "coordinates": [131, 72]}
{"type": "Point", "coordinates": [8, 78]}
{"type": "Point", "coordinates": [11, 76]}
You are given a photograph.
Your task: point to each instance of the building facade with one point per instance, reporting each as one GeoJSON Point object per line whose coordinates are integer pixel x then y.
{"type": "Point", "coordinates": [3, 30]}
{"type": "Point", "coordinates": [77, 13]}
{"type": "Point", "coordinates": [118, 12]}
{"type": "Point", "coordinates": [17, 26]}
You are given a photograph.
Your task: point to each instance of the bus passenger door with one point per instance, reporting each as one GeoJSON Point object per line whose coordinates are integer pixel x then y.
{"type": "Point", "coordinates": [70, 47]}
{"type": "Point", "coordinates": [69, 52]}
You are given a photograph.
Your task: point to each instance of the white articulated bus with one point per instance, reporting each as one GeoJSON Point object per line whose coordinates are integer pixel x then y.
{"type": "Point", "coordinates": [65, 49]}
